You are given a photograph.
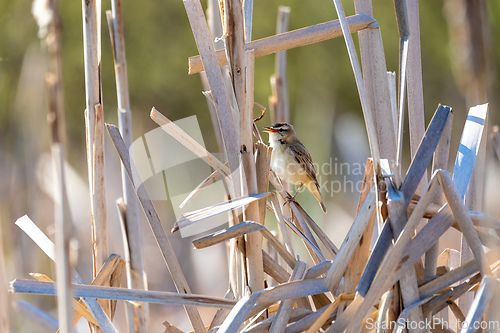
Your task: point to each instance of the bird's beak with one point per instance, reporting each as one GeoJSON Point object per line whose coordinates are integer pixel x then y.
{"type": "Point", "coordinates": [269, 130]}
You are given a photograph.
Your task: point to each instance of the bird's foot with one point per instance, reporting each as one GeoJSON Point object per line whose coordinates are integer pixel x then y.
{"type": "Point", "coordinates": [292, 198]}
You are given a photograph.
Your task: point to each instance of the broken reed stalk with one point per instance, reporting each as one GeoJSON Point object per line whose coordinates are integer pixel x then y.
{"type": "Point", "coordinates": [337, 270]}
{"type": "Point", "coordinates": [415, 95]}
{"type": "Point", "coordinates": [376, 83]}
{"type": "Point", "coordinates": [362, 253]}
{"type": "Point", "coordinates": [215, 25]}
{"type": "Point", "coordinates": [253, 242]}
{"type": "Point", "coordinates": [155, 224]}
{"type": "Point", "coordinates": [292, 39]}
{"type": "Point", "coordinates": [474, 200]}
{"type": "Point", "coordinates": [136, 278]}
{"type": "Point", "coordinates": [440, 161]}
{"type": "Point", "coordinates": [393, 93]}
{"type": "Point", "coordinates": [404, 36]}
{"type": "Point", "coordinates": [241, 68]}
{"type": "Point", "coordinates": [50, 34]}
{"type": "Point", "coordinates": [187, 141]}
{"type": "Point", "coordinates": [234, 40]}
{"type": "Point", "coordinates": [365, 105]}
{"type": "Point", "coordinates": [222, 105]}
{"type": "Point", "coordinates": [283, 314]}
{"type": "Point", "coordinates": [94, 131]}
{"type": "Point", "coordinates": [124, 294]}
{"type": "Point", "coordinates": [46, 245]}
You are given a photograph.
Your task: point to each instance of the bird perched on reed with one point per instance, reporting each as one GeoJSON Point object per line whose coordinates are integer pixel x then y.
{"type": "Point", "coordinates": [291, 161]}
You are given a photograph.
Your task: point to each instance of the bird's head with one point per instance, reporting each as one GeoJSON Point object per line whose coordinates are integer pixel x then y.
{"type": "Point", "coordinates": [281, 131]}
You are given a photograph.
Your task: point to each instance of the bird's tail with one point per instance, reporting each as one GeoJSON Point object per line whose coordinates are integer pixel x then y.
{"type": "Point", "coordinates": [314, 188]}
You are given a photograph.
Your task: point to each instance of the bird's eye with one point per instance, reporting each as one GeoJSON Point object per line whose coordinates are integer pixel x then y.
{"type": "Point", "coordinates": [280, 130]}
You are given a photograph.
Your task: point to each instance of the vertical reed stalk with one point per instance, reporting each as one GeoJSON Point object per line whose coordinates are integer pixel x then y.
{"type": "Point", "coordinates": [404, 36]}
{"type": "Point", "coordinates": [50, 32]}
{"type": "Point", "coordinates": [215, 26]}
{"type": "Point", "coordinates": [253, 241]}
{"type": "Point", "coordinates": [365, 105]}
{"type": "Point", "coordinates": [225, 115]}
{"type": "Point", "coordinates": [415, 93]}
{"type": "Point", "coordinates": [136, 278]}
{"type": "Point", "coordinates": [376, 83]}
{"type": "Point", "coordinates": [95, 127]}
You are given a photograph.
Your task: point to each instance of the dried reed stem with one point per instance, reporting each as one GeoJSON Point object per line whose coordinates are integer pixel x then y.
{"type": "Point", "coordinates": [187, 141]}
{"type": "Point", "coordinates": [464, 165]}
{"type": "Point", "coordinates": [385, 277]}
{"type": "Point", "coordinates": [253, 242]}
{"type": "Point", "coordinates": [225, 117]}
{"type": "Point", "coordinates": [155, 224]}
{"type": "Point", "coordinates": [289, 40]}
{"type": "Point", "coordinates": [80, 309]}
{"type": "Point", "coordinates": [440, 161]}
{"type": "Point", "coordinates": [191, 218]}
{"type": "Point", "coordinates": [124, 294]}
{"type": "Point", "coordinates": [46, 245]}
{"type": "Point", "coordinates": [483, 298]}
{"type": "Point", "coordinates": [98, 196]}
{"type": "Point", "coordinates": [262, 166]}
{"type": "Point", "coordinates": [278, 102]}
{"type": "Point", "coordinates": [284, 231]}
{"type": "Point", "coordinates": [474, 200]}
{"type": "Point", "coordinates": [135, 265]}
{"type": "Point", "coordinates": [404, 36]}
{"type": "Point", "coordinates": [303, 229]}
{"type": "Point", "coordinates": [91, 12]}
{"type": "Point", "coordinates": [376, 83]}
{"type": "Point", "coordinates": [414, 77]}
{"type": "Point", "coordinates": [468, 231]}
{"type": "Point", "coordinates": [283, 314]}
{"type": "Point", "coordinates": [362, 253]}
{"type": "Point", "coordinates": [351, 241]}
{"type": "Point", "coordinates": [412, 179]}
{"type": "Point", "coordinates": [234, 40]}
{"type": "Point", "coordinates": [215, 24]}
{"type": "Point", "coordinates": [365, 105]}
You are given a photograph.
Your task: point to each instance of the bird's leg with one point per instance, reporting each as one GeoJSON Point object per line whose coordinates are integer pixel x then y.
{"type": "Point", "coordinates": [292, 198]}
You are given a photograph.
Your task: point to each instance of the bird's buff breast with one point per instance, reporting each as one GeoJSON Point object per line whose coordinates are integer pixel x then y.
{"type": "Point", "coordinates": [286, 167]}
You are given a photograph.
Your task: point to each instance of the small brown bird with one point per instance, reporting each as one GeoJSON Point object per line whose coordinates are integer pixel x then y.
{"type": "Point", "coordinates": [291, 161]}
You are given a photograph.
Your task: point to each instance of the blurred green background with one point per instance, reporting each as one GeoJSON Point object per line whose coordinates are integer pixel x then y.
{"type": "Point", "coordinates": [324, 100]}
